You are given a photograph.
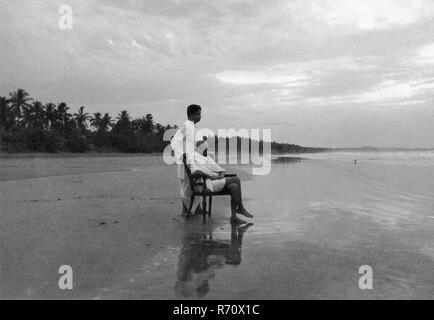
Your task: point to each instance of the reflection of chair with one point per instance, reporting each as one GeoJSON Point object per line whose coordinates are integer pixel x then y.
{"type": "Point", "coordinates": [197, 186]}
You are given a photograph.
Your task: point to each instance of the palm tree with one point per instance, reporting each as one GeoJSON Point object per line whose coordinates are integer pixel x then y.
{"type": "Point", "coordinates": [19, 99]}
{"type": "Point", "coordinates": [149, 123]}
{"type": "Point", "coordinates": [25, 119]}
{"type": "Point", "coordinates": [81, 119]}
{"type": "Point", "coordinates": [106, 122]}
{"type": "Point", "coordinates": [123, 116]}
{"type": "Point", "coordinates": [101, 124]}
{"type": "Point", "coordinates": [39, 113]}
{"type": "Point", "coordinates": [64, 119]}
{"type": "Point", "coordinates": [124, 122]}
{"type": "Point", "coordinates": [50, 117]}
{"type": "Point", "coordinates": [95, 122]}
{"type": "Point", "coordinates": [33, 116]}
{"type": "Point", "coordinates": [6, 117]}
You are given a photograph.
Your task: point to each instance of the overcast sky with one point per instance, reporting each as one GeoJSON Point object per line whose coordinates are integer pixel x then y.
{"type": "Point", "coordinates": [318, 73]}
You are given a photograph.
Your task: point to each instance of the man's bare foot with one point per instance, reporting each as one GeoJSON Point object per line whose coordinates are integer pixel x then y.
{"type": "Point", "coordinates": [244, 212]}
{"type": "Point", "coordinates": [236, 220]}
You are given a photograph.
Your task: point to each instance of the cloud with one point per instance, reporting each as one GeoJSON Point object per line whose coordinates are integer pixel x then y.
{"type": "Point", "coordinates": [372, 14]}
{"type": "Point", "coordinates": [425, 55]}
{"type": "Point", "coordinates": [262, 77]}
{"type": "Point", "coordinates": [388, 92]}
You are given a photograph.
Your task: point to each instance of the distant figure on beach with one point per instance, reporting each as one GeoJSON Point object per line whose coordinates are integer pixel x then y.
{"type": "Point", "coordinates": [355, 161]}
{"type": "Point", "coordinates": [185, 142]}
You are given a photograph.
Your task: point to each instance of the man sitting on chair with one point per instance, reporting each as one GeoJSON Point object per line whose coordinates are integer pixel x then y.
{"type": "Point", "coordinates": [184, 141]}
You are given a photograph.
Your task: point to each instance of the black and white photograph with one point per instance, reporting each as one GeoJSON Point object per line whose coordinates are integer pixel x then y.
{"type": "Point", "coordinates": [228, 150]}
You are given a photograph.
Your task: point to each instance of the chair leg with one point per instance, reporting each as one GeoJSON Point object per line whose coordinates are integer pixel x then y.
{"type": "Point", "coordinates": [210, 206]}
{"type": "Point", "coordinates": [204, 209]}
{"type": "Point", "coordinates": [191, 206]}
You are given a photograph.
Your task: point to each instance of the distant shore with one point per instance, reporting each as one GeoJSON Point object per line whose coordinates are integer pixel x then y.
{"type": "Point", "coordinates": [25, 155]}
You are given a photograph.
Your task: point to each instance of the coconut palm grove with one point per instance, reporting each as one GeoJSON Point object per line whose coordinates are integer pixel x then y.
{"type": "Point", "coordinates": [30, 125]}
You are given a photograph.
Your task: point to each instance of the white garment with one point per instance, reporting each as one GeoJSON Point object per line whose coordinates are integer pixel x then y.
{"type": "Point", "coordinates": [184, 141]}
{"type": "Point", "coordinates": [208, 167]}
{"type": "Point", "coordinates": [215, 185]}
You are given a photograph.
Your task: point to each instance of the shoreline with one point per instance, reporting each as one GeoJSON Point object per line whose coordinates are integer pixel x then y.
{"type": "Point", "coordinates": [26, 155]}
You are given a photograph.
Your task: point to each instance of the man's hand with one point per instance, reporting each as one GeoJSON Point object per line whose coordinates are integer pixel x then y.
{"type": "Point", "coordinates": [201, 174]}
{"type": "Point", "coordinates": [216, 175]}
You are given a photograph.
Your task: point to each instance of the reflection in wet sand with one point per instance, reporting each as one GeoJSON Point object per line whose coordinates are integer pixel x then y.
{"type": "Point", "coordinates": [283, 160]}
{"type": "Point", "coordinates": [201, 256]}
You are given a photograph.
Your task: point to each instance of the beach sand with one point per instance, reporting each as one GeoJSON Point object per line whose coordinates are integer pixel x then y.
{"type": "Point", "coordinates": [115, 219]}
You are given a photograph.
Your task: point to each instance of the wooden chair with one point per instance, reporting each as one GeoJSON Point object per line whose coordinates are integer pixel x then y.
{"type": "Point", "coordinates": [203, 194]}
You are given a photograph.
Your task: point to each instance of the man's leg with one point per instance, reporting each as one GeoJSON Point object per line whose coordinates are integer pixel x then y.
{"type": "Point", "coordinates": [237, 195]}
{"type": "Point", "coordinates": [233, 185]}
{"type": "Point", "coordinates": [241, 209]}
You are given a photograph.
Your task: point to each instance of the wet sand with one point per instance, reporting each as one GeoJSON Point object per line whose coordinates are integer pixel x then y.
{"type": "Point", "coordinates": [116, 221]}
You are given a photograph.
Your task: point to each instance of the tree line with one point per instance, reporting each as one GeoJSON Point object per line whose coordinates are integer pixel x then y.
{"type": "Point", "coordinates": [29, 125]}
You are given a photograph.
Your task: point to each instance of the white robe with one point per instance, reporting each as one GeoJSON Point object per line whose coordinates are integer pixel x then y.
{"type": "Point", "coordinates": [184, 141]}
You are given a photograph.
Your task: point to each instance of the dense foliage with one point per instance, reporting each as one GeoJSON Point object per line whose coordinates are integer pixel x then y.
{"type": "Point", "coordinates": [29, 125]}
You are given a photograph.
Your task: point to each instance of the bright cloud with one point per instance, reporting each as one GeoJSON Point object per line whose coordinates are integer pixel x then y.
{"type": "Point", "coordinates": [425, 55]}
{"type": "Point", "coordinates": [372, 14]}
{"type": "Point", "coordinates": [389, 92]}
{"type": "Point", "coordinates": [261, 77]}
